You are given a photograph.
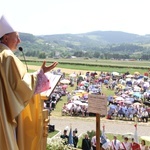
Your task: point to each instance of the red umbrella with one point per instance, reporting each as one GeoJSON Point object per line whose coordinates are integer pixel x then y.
{"type": "Point", "coordinates": [107, 77]}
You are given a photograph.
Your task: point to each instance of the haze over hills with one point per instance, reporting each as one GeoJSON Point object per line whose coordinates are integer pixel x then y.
{"type": "Point", "coordinates": [108, 37]}
{"type": "Point", "coordinates": [103, 42]}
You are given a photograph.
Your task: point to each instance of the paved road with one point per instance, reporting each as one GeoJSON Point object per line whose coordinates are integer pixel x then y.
{"type": "Point", "coordinates": [111, 126]}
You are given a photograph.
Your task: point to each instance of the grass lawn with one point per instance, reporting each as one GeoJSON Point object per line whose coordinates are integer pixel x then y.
{"type": "Point", "coordinates": [97, 65]}
{"type": "Point", "coordinates": [59, 105]}
{"type": "Point", "coordinates": [51, 134]}
{"type": "Point", "coordinates": [94, 61]}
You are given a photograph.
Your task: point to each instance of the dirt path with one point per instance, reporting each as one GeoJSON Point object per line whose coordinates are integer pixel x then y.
{"type": "Point", "coordinates": [111, 126]}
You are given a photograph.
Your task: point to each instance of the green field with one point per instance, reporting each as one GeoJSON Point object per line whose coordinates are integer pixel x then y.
{"type": "Point", "coordinates": [97, 65]}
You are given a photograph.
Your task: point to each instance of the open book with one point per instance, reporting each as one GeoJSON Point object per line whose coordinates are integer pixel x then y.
{"type": "Point", "coordinates": [54, 79]}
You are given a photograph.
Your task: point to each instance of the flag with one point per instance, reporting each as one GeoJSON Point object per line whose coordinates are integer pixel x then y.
{"type": "Point", "coordinates": [103, 139]}
{"type": "Point", "coordinates": [103, 132]}
{"type": "Point", "coordinates": [70, 141]}
{"type": "Point", "coordinates": [104, 142]}
{"type": "Point", "coordinates": [136, 139]}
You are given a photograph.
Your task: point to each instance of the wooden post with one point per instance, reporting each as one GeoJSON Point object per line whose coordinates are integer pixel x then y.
{"type": "Point", "coordinates": [97, 104]}
{"type": "Point", "coordinates": [97, 131]}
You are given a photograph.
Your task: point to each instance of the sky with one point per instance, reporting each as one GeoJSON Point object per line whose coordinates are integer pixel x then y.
{"type": "Point", "coordinates": [46, 17]}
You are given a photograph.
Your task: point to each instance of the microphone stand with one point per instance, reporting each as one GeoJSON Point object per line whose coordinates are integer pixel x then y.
{"type": "Point", "coordinates": [21, 49]}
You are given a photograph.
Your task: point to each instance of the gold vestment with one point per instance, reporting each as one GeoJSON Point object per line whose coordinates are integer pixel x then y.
{"type": "Point", "coordinates": [20, 110]}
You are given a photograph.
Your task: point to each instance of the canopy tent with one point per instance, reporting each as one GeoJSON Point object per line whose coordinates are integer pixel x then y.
{"type": "Point", "coordinates": [75, 97]}
{"type": "Point", "coordinates": [77, 102]}
{"type": "Point", "coordinates": [136, 104]}
{"type": "Point", "coordinates": [65, 81]}
{"type": "Point", "coordinates": [136, 73]}
{"type": "Point", "coordinates": [128, 79]}
{"type": "Point", "coordinates": [72, 75]}
{"type": "Point", "coordinates": [115, 73]}
{"type": "Point", "coordinates": [119, 98]}
{"type": "Point", "coordinates": [146, 138]}
{"type": "Point", "coordinates": [127, 102]}
{"type": "Point", "coordinates": [129, 76]}
{"type": "Point", "coordinates": [128, 135]}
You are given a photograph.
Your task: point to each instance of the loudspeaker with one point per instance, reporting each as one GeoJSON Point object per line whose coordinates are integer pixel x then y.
{"type": "Point", "coordinates": [51, 128]}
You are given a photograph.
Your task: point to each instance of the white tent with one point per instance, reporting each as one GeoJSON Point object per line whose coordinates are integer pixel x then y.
{"type": "Point", "coordinates": [115, 73]}
{"type": "Point", "coordinates": [146, 138]}
{"type": "Point", "coordinates": [65, 81]}
{"type": "Point", "coordinates": [72, 75]}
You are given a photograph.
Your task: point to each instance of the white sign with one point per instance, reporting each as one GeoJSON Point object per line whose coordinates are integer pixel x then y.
{"type": "Point", "coordinates": [97, 104]}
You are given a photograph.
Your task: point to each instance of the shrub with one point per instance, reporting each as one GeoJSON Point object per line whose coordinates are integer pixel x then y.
{"type": "Point", "coordinates": [57, 143]}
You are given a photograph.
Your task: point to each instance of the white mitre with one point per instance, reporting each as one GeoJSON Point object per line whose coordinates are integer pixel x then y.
{"type": "Point", "coordinates": [5, 26]}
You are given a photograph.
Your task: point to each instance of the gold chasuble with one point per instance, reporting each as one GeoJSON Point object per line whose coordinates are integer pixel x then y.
{"type": "Point", "coordinates": [30, 125]}
{"type": "Point", "coordinates": [20, 110]}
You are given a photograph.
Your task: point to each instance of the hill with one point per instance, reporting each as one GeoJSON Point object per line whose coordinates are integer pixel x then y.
{"type": "Point", "coordinates": [114, 44]}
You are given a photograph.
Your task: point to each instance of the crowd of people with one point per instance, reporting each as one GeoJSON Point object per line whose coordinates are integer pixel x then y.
{"type": "Point", "coordinates": [114, 144]}
{"type": "Point", "coordinates": [131, 99]}
{"type": "Point", "coordinates": [130, 112]}
{"type": "Point", "coordinates": [66, 137]}
{"type": "Point", "coordinates": [89, 143]}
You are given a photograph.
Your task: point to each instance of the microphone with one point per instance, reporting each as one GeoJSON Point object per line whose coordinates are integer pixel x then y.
{"type": "Point", "coordinates": [21, 50]}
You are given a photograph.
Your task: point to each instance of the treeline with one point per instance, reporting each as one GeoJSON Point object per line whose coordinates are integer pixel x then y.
{"type": "Point", "coordinates": [86, 55]}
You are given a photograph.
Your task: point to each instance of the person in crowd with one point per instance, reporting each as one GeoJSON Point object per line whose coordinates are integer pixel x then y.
{"type": "Point", "coordinates": [145, 115]}
{"type": "Point", "coordinates": [68, 96]}
{"type": "Point", "coordinates": [86, 143]}
{"type": "Point", "coordinates": [20, 99]}
{"type": "Point", "coordinates": [78, 110]}
{"type": "Point", "coordinates": [143, 145]}
{"type": "Point", "coordinates": [93, 141]}
{"type": "Point", "coordinates": [139, 114]}
{"type": "Point", "coordinates": [71, 82]}
{"type": "Point", "coordinates": [73, 109]}
{"type": "Point", "coordinates": [65, 137]}
{"type": "Point", "coordinates": [134, 145]}
{"type": "Point", "coordinates": [65, 109]}
{"type": "Point", "coordinates": [115, 143]}
{"type": "Point", "coordinates": [75, 138]}
{"type": "Point", "coordinates": [84, 110]}
{"type": "Point", "coordinates": [126, 145]}
{"type": "Point", "coordinates": [108, 143]}
{"type": "Point", "coordinates": [110, 112]}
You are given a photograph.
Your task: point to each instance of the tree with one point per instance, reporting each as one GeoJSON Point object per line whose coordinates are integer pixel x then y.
{"type": "Point", "coordinates": [42, 55]}
{"type": "Point", "coordinates": [96, 54]}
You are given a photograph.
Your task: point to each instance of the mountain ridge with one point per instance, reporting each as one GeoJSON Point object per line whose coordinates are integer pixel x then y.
{"type": "Point", "coordinates": [102, 42]}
